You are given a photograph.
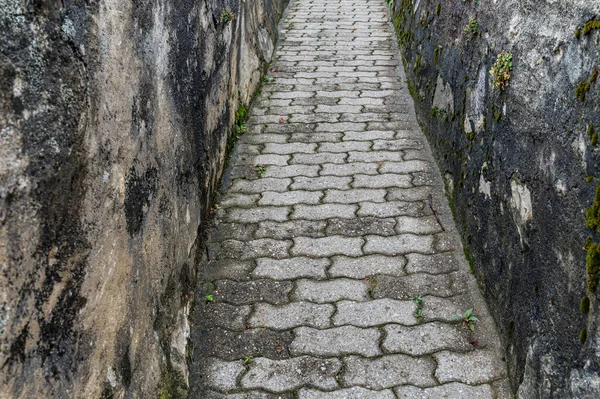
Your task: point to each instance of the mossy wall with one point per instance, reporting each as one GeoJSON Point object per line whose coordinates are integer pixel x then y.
{"type": "Point", "coordinates": [114, 122]}
{"type": "Point", "coordinates": [523, 162]}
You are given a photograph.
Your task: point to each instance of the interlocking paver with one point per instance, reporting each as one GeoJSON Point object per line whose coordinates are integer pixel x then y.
{"type": "Point", "coordinates": [336, 341]}
{"type": "Point", "coordinates": [388, 371]}
{"type": "Point", "coordinates": [325, 233]}
{"type": "Point", "coordinates": [331, 290]}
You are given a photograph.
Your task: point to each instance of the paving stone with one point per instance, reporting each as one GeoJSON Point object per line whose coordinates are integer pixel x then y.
{"type": "Point", "coordinates": [382, 181]}
{"type": "Point", "coordinates": [409, 194]}
{"type": "Point", "coordinates": [425, 339]}
{"type": "Point", "coordinates": [412, 225]}
{"type": "Point", "coordinates": [349, 393]}
{"type": "Point", "coordinates": [327, 246]}
{"type": "Point", "coordinates": [336, 341]}
{"type": "Point", "coordinates": [321, 183]}
{"type": "Point", "coordinates": [291, 148]}
{"type": "Point", "coordinates": [254, 215]}
{"type": "Point", "coordinates": [447, 391]}
{"type": "Point", "coordinates": [320, 158]}
{"type": "Point", "coordinates": [259, 186]}
{"type": "Point", "coordinates": [292, 315]}
{"type": "Point", "coordinates": [290, 198]}
{"type": "Point", "coordinates": [315, 137]}
{"type": "Point", "coordinates": [291, 268]}
{"type": "Point", "coordinates": [223, 315]}
{"type": "Point", "coordinates": [221, 375]}
{"type": "Point", "coordinates": [440, 285]}
{"type": "Point", "coordinates": [237, 345]}
{"type": "Point", "coordinates": [290, 374]}
{"type": "Point", "coordinates": [247, 292]}
{"type": "Point", "coordinates": [432, 264]}
{"type": "Point", "coordinates": [354, 196]}
{"type": "Point", "coordinates": [233, 249]}
{"type": "Point", "coordinates": [228, 269]}
{"type": "Point", "coordinates": [292, 170]}
{"type": "Point", "coordinates": [264, 159]}
{"type": "Point", "coordinates": [265, 138]}
{"type": "Point", "coordinates": [340, 127]}
{"type": "Point", "coordinates": [349, 169]}
{"type": "Point", "coordinates": [365, 266]}
{"type": "Point", "coordinates": [360, 226]}
{"type": "Point", "coordinates": [399, 245]}
{"type": "Point", "coordinates": [241, 395]}
{"type": "Point", "coordinates": [404, 167]}
{"type": "Point", "coordinates": [375, 313]}
{"type": "Point", "coordinates": [395, 145]}
{"type": "Point", "coordinates": [331, 290]}
{"type": "Point", "coordinates": [476, 367]}
{"type": "Point", "coordinates": [345, 146]}
{"type": "Point", "coordinates": [388, 371]}
{"type": "Point", "coordinates": [239, 200]}
{"type": "Point", "coordinates": [234, 231]}
{"type": "Point", "coordinates": [323, 212]}
{"type": "Point", "coordinates": [291, 229]}
{"type": "Point", "coordinates": [375, 156]}
{"type": "Point", "coordinates": [368, 135]}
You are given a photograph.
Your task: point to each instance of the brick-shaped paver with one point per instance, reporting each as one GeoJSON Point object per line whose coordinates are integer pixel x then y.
{"type": "Point", "coordinates": [289, 374]}
{"type": "Point", "coordinates": [336, 341]}
{"type": "Point", "coordinates": [452, 390]}
{"type": "Point", "coordinates": [388, 371]}
{"type": "Point", "coordinates": [331, 290]}
{"type": "Point", "coordinates": [292, 315]}
{"type": "Point", "coordinates": [326, 274]}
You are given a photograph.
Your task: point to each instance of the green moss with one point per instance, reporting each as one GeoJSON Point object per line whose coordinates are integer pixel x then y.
{"type": "Point", "coordinates": [592, 213]}
{"type": "Point", "coordinates": [590, 26]}
{"type": "Point", "coordinates": [589, 178]}
{"type": "Point", "coordinates": [438, 8]}
{"type": "Point", "coordinates": [471, 136]}
{"type": "Point", "coordinates": [577, 33]}
{"type": "Point", "coordinates": [590, 131]}
{"type": "Point", "coordinates": [594, 76]}
{"type": "Point", "coordinates": [469, 259]}
{"type": "Point", "coordinates": [582, 88]}
{"type": "Point", "coordinates": [498, 116]}
{"type": "Point", "coordinates": [583, 336]}
{"type": "Point", "coordinates": [584, 305]}
{"type": "Point", "coordinates": [172, 385]}
{"type": "Point", "coordinates": [592, 264]}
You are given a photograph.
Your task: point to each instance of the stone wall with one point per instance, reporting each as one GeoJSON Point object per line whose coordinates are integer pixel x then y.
{"type": "Point", "coordinates": [114, 123]}
{"type": "Point", "coordinates": [521, 167]}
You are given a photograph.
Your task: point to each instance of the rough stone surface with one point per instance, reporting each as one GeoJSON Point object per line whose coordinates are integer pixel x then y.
{"type": "Point", "coordinates": [114, 123]}
{"type": "Point", "coordinates": [516, 165]}
{"type": "Point", "coordinates": [446, 391]}
{"type": "Point", "coordinates": [319, 261]}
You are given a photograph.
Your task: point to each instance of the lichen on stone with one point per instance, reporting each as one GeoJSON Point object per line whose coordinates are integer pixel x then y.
{"type": "Point", "coordinates": [592, 265]}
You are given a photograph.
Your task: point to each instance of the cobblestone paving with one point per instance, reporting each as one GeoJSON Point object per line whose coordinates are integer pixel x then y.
{"type": "Point", "coordinates": [326, 236]}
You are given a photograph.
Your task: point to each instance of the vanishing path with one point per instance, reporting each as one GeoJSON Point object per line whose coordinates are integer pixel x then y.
{"type": "Point", "coordinates": [315, 255]}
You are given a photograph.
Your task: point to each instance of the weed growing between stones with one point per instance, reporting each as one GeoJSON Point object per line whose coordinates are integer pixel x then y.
{"type": "Point", "coordinates": [471, 29]}
{"type": "Point", "coordinates": [467, 320]}
{"type": "Point", "coordinates": [500, 72]}
{"type": "Point", "coordinates": [260, 170]}
{"type": "Point", "coordinates": [226, 16]}
{"type": "Point", "coordinates": [418, 299]}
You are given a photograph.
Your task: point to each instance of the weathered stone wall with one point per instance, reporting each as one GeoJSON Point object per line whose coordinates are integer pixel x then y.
{"type": "Point", "coordinates": [114, 122]}
{"type": "Point", "coordinates": [521, 166]}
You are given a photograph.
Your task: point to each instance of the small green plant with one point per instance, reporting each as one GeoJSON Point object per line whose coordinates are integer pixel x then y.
{"type": "Point", "coordinates": [291, 25]}
{"type": "Point", "coordinates": [418, 299]}
{"type": "Point", "coordinates": [390, 3]}
{"type": "Point", "coordinates": [438, 112]}
{"type": "Point", "coordinates": [248, 360]}
{"type": "Point", "coordinates": [226, 16]}
{"type": "Point", "coordinates": [467, 320]}
{"type": "Point", "coordinates": [208, 298]}
{"type": "Point", "coordinates": [471, 29]}
{"type": "Point", "coordinates": [372, 281]}
{"type": "Point", "coordinates": [590, 26]}
{"type": "Point", "coordinates": [260, 170]}
{"type": "Point", "coordinates": [500, 72]}
{"type": "Point", "coordinates": [267, 78]}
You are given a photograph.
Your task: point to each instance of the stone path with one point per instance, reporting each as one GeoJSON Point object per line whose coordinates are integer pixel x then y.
{"type": "Point", "coordinates": [325, 240]}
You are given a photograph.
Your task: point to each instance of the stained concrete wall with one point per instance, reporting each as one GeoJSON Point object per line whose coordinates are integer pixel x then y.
{"type": "Point", "coordinates": [114, 122]}
{"type": "Point", "coordinates": [521, 166]}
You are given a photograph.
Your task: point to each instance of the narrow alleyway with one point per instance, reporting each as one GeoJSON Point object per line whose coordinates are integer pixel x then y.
{"type": "Point", "coordinates": [328, 273]}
